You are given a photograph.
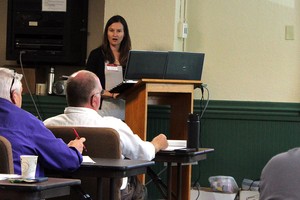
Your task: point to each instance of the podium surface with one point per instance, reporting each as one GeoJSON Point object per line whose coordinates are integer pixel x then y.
{"type": "Point", "coordinates": [178, 94]}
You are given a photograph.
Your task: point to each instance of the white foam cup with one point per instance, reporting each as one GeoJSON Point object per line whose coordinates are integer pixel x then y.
{"type": "Point", "coordinates": [28, 165]}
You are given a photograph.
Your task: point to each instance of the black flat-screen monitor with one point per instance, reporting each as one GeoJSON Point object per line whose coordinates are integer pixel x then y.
{"type": "Point", "coordinates": [184, 65]}
{"type": "Point", "coordinates": [47, 32]}
{"type": "Point", "coordinates": [145, 64]}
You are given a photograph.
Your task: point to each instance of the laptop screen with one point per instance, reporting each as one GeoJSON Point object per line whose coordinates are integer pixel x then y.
{"type": "Point", "coordinates": [184, 65]}
{"type": "Point", "coordinates": [145, 64]}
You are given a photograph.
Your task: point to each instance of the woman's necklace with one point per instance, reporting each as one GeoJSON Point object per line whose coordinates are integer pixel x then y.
{"type": "Point", "coordinates": [117, 62]}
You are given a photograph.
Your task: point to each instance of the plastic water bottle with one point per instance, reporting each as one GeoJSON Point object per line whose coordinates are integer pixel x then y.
{"type": "Point", "coordinates": [193, 125]}
{"type": "Point", "coordinates": [50, 81]}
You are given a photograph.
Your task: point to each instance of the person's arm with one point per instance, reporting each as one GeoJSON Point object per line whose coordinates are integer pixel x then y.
{"type": "Point", "coordinates": [133, 147]}
{"type": "Point", "coordinates": [160, 142]}
{"type": "Point", "coordinates": [53, 152]}
{"type": "Point", "coordinates": [95, 64]}
{"type": "Point", "coordinates": [77, 144]}
{"type": "Point", "coordinates": [94, 60]}
{"type": "Point", "coordinates": [107, 94]}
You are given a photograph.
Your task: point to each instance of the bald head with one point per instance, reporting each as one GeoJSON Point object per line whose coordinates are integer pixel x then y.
{"type": "Point", "coordinates": [81, 87]}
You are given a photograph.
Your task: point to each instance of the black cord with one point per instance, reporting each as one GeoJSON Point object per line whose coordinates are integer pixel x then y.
{"type": "Point", "coordinates": [198, 189]}
{"type": "Point", "coordinates": [252, 183]}
{"type": "Point", "coordinates": [203, 107]}
{"type": "Point", "coordinates": [204, 87]}
{"type": "Point", "coordinates": [26, 83]}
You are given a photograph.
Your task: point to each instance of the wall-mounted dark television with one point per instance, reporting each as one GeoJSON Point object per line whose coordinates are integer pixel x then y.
{"type": "Point", "coordinates": [47, 31]}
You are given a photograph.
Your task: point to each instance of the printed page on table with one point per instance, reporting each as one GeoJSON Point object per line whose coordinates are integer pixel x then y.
{"type": "Point", "coordinates": [7, 176]}
{"type": "Point", "coordinates": [87, 159]}
{"type": "Point", "coordinates": [175, 144]}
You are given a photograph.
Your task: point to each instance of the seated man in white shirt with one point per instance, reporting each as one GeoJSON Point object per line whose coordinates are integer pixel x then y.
{"type": "Point", "coordinates": [83, 94]}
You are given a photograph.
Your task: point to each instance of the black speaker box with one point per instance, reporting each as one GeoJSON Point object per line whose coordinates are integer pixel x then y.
{"type": "Point", "coordinates": [47, 32]}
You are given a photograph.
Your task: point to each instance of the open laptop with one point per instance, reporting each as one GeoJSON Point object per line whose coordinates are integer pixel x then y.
{"type": "Point", "coordinates": [184, 65]}
{"type": "Point", "coordinates": [142, 64]}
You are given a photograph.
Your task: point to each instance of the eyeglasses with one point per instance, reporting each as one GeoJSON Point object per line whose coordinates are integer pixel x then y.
{"type": "Point", "coordinates": [12, 82]}
{"type": "Point", "coordinates": [95, 94]}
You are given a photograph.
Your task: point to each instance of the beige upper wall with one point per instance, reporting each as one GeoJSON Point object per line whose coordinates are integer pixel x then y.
{"type": "Point", "coordinates": [152, 24]}
{"type": "Point", "coordinates": [247, 56]}
{"type": "Point", "coordinates": [95, 24]}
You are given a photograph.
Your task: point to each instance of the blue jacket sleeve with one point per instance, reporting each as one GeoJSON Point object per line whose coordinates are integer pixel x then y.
{"type": "Point", "coordinates": [53, 152]}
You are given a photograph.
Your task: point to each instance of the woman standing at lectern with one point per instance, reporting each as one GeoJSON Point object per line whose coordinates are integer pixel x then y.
{"type": "Point", "coordinates": [108, 62]}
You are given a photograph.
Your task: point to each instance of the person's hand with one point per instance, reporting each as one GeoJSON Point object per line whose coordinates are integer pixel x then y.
{"type": "Point", "coordinates": [160, 142]}
{"type": "Point", "coordinates": [115, 95]}
{"type": "Point", "coordinates": [107, 94]}
{"type": "Point", "coordinates": [78, 144]}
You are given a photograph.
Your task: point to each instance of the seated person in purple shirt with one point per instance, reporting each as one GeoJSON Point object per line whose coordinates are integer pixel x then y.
{"type": "Point", "coordinates": [28, 135]}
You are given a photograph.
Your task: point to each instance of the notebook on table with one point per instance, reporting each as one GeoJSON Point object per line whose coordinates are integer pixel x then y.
{"type": "Point", "coordinates": [142, 64]}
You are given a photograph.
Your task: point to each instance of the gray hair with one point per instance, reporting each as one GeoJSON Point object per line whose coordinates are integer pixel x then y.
{"type": "Point", "coordinates": [9, 81]}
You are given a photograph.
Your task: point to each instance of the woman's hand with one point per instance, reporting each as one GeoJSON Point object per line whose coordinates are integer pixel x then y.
{"type": "Point", "coordinates": [115, 95]}
{"type": "Point", "coordinates": [107, 94]}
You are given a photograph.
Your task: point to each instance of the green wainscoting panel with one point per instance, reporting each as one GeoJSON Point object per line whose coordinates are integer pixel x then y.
{"type": "Point", "coordinates": [47, 106]}
{"type": "Point", "coordinates": [245, 135]}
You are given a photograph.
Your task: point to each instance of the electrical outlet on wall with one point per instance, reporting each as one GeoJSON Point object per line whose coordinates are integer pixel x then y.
{"type": "Point", "coordinates": [182, 30]}
{"type": "Point", "coordinates": [289, 32]}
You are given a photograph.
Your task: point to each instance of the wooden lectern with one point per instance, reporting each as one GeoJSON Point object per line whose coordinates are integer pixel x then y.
{"type": "Point", "coordinates": [179, 94]}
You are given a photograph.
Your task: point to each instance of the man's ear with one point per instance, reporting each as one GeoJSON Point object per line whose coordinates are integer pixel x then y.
{"type": "Point", "coordinates": [16, 98]}
{"type": "Point", "coordinates": [94, 101]}
{"type": "Point", "coordinates": [13, 97]}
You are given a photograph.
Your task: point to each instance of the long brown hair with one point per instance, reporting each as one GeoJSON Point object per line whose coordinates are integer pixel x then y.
{"type": "Point", "coordinates": [125, 45]}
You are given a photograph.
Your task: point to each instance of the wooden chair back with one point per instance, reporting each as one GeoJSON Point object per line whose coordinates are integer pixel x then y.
{"type": "Point", "coordinates": [6, 157]}
{"type": "Point", "coordinates": [100, 143]}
